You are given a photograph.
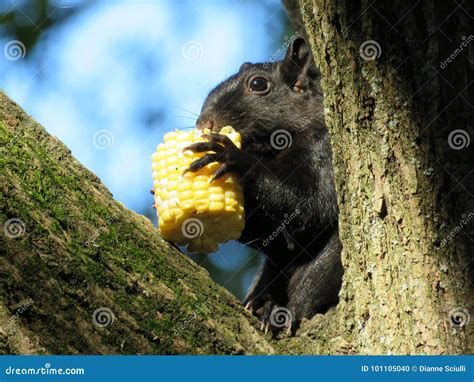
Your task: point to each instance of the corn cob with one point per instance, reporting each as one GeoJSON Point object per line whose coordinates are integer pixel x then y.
{"type": "Point", "coordinates": [193, 211]}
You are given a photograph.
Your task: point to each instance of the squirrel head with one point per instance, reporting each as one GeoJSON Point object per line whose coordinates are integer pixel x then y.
{"type": "Point", "coordinates": [264, 97]}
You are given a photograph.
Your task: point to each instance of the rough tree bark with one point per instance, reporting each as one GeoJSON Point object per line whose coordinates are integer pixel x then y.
{"type": "Point", "coordinates": [401, 188]}
{"type": "Point", "coordinates": [80, 273]}
{"type": "Point", "coordinates": [405, 185]}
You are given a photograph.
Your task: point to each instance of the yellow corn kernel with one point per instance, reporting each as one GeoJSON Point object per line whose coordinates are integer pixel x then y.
{"type": "Point", "coordinates": [216, 197]}
{"type": "Point", "coordinates": [193, 211]}
{"type": "Point", "coordinates": [201, 205]}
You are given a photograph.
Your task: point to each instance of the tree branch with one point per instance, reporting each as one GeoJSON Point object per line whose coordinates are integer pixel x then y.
{"type": "Point", "coordinates": [69, 250]}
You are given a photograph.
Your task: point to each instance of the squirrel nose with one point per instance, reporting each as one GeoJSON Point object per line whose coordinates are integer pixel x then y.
{"type": "Point", "coordinates": [205, 121]}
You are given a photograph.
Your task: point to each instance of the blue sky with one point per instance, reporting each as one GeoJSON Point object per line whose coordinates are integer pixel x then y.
{"type": "Point", "coordinates": [116, 76]}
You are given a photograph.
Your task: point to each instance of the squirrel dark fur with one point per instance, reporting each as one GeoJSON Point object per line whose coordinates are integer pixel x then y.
{"type": "Point", "coordinates": [290, 199]}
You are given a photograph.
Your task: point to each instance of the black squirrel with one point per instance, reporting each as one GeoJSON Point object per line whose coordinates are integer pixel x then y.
{"type": "Point", "coordinates": [285, 166]}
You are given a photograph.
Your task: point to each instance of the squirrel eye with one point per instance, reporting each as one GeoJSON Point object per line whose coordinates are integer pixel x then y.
{"type": "Point", "coordinates": [259, 85]}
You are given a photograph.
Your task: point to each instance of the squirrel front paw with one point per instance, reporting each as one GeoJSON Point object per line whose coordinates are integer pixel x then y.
{"type": "Point", "coordinates": [274, 317]}
{"type": "Point", "coordinates": [232, 159]}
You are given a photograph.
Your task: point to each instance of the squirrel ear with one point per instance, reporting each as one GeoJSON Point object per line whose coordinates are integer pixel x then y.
{"type": "Point", "coordinates": [298, 65]}
{"type": "Point", "coordinates": [245, 66]}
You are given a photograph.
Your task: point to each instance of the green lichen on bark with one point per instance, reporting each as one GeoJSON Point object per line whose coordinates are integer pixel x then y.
{"type": "Point", "coordinates": [81, 251]}
{"type": "Point", "coordinates": [399, 285]}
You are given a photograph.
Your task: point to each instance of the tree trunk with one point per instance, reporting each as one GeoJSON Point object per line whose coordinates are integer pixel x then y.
{"type": "Point", "coordinates": [400, 129]}
{"type": "Point", "coordinates": [81, 274]}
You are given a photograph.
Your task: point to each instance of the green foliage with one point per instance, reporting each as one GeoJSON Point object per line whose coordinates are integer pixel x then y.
{"type": "Point", "coordinates": [28, 20]}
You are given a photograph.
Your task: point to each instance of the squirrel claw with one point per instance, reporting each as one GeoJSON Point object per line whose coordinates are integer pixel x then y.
{"type": "Point", "coordinates": [267, 327]}
{"type": "Point", "coordinates": [220, 172]}
{"type": "Point", "coordinates": [219, 138]}
{"type": "Point", "coordinates": [200, 163]}
{"type": "Point", "coordinates": [221, 149]}
{"type": "Point", "coordinates": [248, 307]}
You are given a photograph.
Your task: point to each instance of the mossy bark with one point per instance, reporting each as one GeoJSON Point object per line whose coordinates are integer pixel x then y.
{"type": "Point", "coordinates": [69, 250]}
{"type": "Point", "coordinates": [401, 185]}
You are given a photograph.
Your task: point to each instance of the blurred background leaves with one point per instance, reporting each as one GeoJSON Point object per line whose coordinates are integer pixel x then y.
{"type": "Point", "coordinates": [133, 70]}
